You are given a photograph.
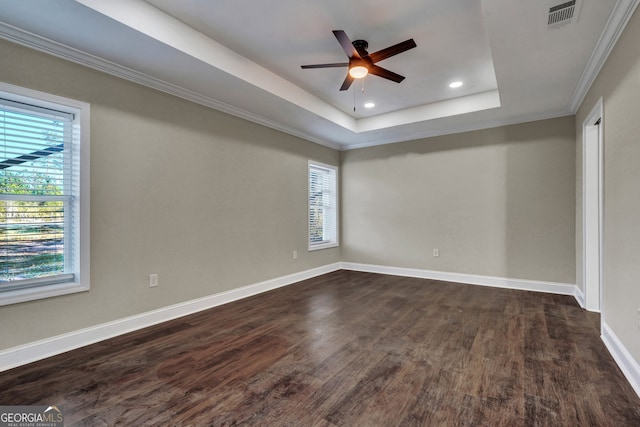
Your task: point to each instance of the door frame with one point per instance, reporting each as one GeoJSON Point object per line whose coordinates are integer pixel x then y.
{"type": "Point", "coordinates": [595, 117]}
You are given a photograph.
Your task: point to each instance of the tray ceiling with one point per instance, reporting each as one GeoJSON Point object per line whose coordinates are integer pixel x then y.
{"type": "Point", "coordinates": [243, 57]}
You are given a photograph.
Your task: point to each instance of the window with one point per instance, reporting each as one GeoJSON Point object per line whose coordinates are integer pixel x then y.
{"type": "Point", "coordinates": [323, 206]}
{"type": "Point", "coordinates": [44, 198]}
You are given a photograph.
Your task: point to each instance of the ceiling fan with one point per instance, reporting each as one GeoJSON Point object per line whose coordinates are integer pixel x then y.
{"type": "Point", "coordinates": [361, 62]}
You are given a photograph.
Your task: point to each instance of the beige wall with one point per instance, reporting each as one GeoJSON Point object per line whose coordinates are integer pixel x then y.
{"type": "Point", "coordinates": [208, 201]}
{"type": "Point", "coordinates": [619, 85]}
{"type": "Point", "coordinates": [497, 202]}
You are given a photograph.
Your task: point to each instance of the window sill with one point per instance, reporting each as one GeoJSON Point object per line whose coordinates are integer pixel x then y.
{"type": "Point", "coordinates": [319, 246]}
{"type": "Point", "coordinates": [40, 292]}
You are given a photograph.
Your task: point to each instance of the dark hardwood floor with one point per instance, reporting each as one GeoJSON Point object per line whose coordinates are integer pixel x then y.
{"type": "Point", "coordinates": [346, 349]}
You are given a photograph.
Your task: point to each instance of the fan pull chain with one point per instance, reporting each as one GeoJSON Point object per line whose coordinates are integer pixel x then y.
{"type": "Point", "coordinates": [354, 95]}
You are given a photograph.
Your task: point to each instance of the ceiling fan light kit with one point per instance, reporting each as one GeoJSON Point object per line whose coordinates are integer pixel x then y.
{"type": "Point", "coordinates": [361, 62]}
{"type": "Point", "coordinates": [358, 71]}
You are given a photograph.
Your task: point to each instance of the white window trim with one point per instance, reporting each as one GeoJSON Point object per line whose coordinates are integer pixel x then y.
{"type": "Point", "coordinates": [81, 280]}
{"type": "Point", "coordinates": [331, 244]}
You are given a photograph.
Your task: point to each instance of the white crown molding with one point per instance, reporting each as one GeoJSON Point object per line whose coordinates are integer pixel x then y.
{"type": "Point", "coordinates": [38, 350]}
{"type": "Point", "coordinates": [42, 44]}
{"type": "Point", "coordinates": [620, 16]}
{"type": "Point", "coordinates": [450, 130]}
{"type": "Point", "coordinates": [434, 110]}
{"type": "Point", "coordinates": [471, 279]}
{"type": "Point", "coordinates": [627, 364]}
{"type": "Point", "coordinates": [618, 19]}
{"type": "Point", "coordinates": [60, 50]}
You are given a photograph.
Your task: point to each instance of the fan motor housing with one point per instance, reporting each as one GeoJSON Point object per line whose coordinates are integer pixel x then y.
{"type": "Point", "coordinates": [361, 44]}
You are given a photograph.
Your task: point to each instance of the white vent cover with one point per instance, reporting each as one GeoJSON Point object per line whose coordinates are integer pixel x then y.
{"type": "Point", "coordinates": [564, 13]}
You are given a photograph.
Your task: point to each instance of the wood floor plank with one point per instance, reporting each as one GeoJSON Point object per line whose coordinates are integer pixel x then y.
{"type": "Point", "coordinates": [346, 349]}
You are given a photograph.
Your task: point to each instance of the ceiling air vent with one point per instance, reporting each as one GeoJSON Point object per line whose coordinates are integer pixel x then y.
{"type": "Point", "coordinates": [563, 13]}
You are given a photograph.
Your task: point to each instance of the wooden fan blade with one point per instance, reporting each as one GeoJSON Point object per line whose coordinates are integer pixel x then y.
{"type": "Point", "coordinates": [392, 50]}
{"type": "Point", "coordinates": [347, 82]}
{"type": "Point", "coordinates": [346, 44]}
{"type": "Point", "coordinates": [335, 64]}
{"type": "Point", "coordinates": [384, 73]}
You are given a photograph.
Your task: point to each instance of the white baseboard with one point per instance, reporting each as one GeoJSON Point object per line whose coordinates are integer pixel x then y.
{"type": "Point", "coordinates": [38, 350]}
{"type": "Point", "coordinates": [497, 282]}
{"type": "Point", "coordinates": [627, 364]}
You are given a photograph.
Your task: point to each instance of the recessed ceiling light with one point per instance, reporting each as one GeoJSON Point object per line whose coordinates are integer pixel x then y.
{"type": "Point", "coordinates": [369, 105]}
{"type": "Point", "coordinates": [455, 84]}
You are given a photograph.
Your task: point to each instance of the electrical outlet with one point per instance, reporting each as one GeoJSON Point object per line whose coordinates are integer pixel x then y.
{"type": "Point", "coordinates": [436, 252]}
{"type": "Point", "coordinates": [153, 280]}
{"type": "Point", "coordinates": [295, 254]}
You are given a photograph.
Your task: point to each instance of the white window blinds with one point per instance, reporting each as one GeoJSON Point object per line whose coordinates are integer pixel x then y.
{"type": "Point", "coordinates": [323, 206]}
{"type": "Point", "coordinates": [36, 195]}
